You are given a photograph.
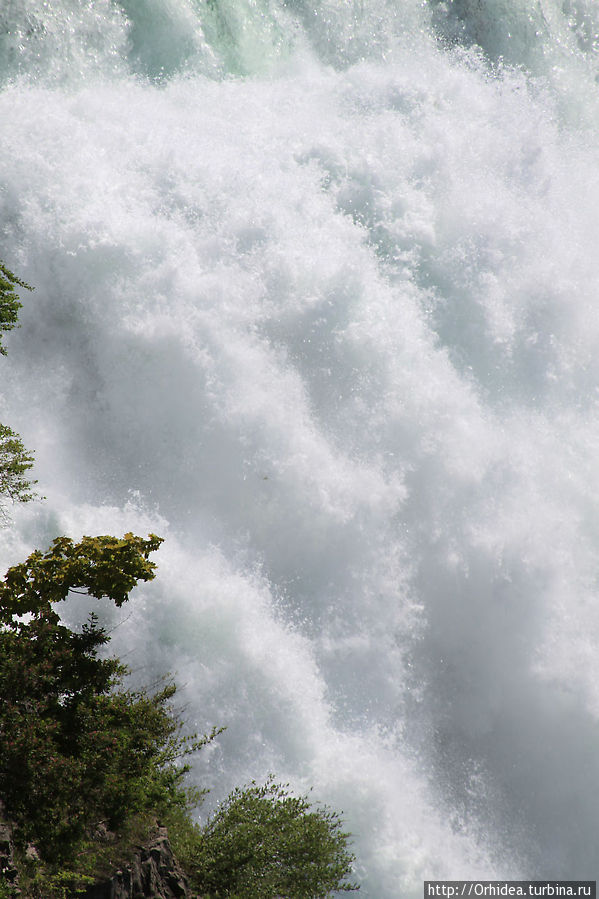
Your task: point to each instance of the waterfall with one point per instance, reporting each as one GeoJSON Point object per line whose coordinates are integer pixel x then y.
{"type": "Point", "coordinates": [317, 300]}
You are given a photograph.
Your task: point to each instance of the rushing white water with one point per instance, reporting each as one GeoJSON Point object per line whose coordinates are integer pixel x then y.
{"type": "Point", "coordinates": [316, 299]}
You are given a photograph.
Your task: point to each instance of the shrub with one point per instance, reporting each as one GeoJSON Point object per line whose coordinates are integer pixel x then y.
{"type": "Point", "coordinates": [263, 842]}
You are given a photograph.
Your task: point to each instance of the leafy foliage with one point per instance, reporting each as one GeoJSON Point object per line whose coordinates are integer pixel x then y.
{"type": "Point", "coordinates": [7, 890]}
{"type": "Point", "coordinates": [76, 750]}
{"type": "Point", "coordinates": [14, 458]}
{"type": "Point", "coordinates": [9, 301]}
{"type": "Point", "coordinates": [103, 566]}
{"type": "Point", "coordinates": [14, 462]}
{"type": "Point", "coordinates": [38, 883]}
{"type": "Point", "coordinates": [264, 842]}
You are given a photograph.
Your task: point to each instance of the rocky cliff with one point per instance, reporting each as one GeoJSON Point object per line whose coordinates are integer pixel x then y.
{"type": "Point", "coordinates": [152, 873]}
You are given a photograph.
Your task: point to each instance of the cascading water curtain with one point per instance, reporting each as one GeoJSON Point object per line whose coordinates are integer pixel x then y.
{"type": "Point", "coordinates": [317, 300]}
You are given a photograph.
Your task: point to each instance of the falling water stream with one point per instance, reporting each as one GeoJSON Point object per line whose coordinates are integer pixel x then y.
{"type": "Point", "coordinates": [317, 300]}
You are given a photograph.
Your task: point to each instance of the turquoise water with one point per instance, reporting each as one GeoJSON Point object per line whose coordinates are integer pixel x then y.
{"type": "Point", "coordinates": [317, 301]}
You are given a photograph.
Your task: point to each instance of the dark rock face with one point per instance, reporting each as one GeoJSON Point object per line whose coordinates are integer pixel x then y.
{"type": "Point", "coordinates": [153, 873]}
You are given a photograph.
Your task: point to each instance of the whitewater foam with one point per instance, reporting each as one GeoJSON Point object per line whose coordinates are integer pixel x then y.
{"type": "Point", "coordinates": [316, 300]}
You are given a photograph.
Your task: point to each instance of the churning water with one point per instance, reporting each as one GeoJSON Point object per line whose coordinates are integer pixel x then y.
{"type": "Point", "coordinates": [317, 300]}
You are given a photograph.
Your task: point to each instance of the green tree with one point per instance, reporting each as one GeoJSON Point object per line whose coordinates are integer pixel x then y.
{"type": "Point", "coordinates": [14, 458]}
{"type": "Point", "coordinates": [14, 462]}
{"type": "Point", "coordinates": [77, 751]}
{"type": "Point", "coordinates": [264, 842]}
{"type": "Point", "coordinates": [9, 301]}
